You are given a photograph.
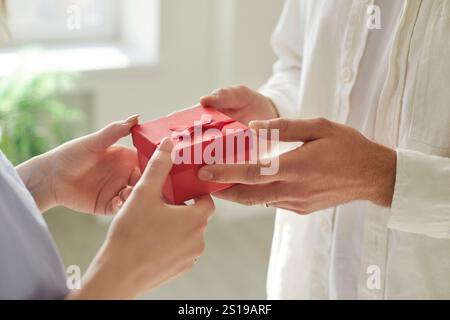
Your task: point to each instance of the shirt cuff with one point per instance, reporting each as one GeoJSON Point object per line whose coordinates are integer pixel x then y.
{"type": "Point", "coordinates": [421, 202]}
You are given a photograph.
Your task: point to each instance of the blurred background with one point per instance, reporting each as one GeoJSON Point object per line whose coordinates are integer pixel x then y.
{"type": "Point", "coordinates": [70, 67]}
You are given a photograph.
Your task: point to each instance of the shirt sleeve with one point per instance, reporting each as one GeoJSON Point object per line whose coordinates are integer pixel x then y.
{"type": "Point", "coordinates": [421, 201]}
{"type": "Point", "coordinates": [287, 42]}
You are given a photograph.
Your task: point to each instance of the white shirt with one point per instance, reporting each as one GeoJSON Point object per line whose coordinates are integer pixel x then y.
{"type": "Point", "coordinates": [348, 224]}
{"type": "Point", "coordinates": [392, 85]}
{"type": "Point", "coordinates": [30, 267]}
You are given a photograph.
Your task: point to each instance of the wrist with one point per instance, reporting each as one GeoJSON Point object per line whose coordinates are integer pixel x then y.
{"type": "Point", "coordinates": [106, 278]}
{"type": "Point", "coordinates": [384, 165]}
{"type": "Point", "coordinates": [38, 177]}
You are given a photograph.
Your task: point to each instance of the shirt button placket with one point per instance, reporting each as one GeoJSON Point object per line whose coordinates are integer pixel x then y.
{"type": "Point", "coordinates": [347, 75]}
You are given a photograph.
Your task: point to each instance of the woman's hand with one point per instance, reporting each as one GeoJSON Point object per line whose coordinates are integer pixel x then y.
{"type": "Point", "coordinates": [241, 103]}
{"type": "Point", "coordinates": [88, 174]}
{"type": "Point", "coordinates": [93, 176]}
{"type": "Point", "coordinates": [149, 241]}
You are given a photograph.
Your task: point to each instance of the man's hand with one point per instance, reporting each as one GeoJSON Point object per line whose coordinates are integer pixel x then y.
{"type": "Point", "coordinates": [88, 174]}
{"type": "Point", "coordinates": [241, 103]}
{"type": "Point", "coordinates": [335, 165]}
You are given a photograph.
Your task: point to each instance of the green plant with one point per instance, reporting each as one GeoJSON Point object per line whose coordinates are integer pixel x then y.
{"type": "Point", "coordinates": [33, 118]}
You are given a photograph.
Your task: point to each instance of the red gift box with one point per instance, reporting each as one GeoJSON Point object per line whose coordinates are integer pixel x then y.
{"type": "Point", "coordinates": [201, 136]}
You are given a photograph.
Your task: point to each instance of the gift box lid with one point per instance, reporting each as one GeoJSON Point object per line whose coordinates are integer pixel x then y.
{"type": "Point", "coordinates": [147, 136]}
{"type": "Point", "coordinates": [158, 129]}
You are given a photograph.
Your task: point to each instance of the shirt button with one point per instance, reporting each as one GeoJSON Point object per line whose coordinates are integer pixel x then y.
{"type": "Point", "coordinates": [347, 74]}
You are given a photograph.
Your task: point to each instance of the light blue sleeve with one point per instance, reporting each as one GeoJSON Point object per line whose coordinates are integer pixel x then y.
{"type": "Point", "coordinates": [30, 267]}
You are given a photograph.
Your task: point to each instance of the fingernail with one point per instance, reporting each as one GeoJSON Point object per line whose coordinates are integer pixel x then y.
{"type": "Point", "coordinates": [166, 145]}
{"type": "Point", "coordinates": [256, 125]}
{"type": "Point", "coordinates": [205, 175]}
{"type": "Point", "coordinates": [132, 119]}
{"type": "Point", "coordinates": [118, 203]}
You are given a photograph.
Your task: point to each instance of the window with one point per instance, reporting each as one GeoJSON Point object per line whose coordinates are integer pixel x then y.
{"type": "Point", "coordinates": [63, 21]}
{"type": "Point", "coordinates": [83, 35]}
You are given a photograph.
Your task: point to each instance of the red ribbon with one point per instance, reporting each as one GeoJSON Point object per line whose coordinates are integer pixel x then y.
{"type": "Point", "coordinates": [206, 122]}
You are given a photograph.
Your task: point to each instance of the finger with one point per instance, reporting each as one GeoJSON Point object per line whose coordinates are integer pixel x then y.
{"type": "Point", "coordinates": [226, 98]}
{"type": "Point", "coordinates": [158, 168]}
{"type": "Point", "coordinates": [240, 173]}
{"type": "Point", "coordinates": [110, 134]}
{"type": "Point", "coordinates": [248, 173]}
{"type": "Point", "coordinates": [291, 130]}
{"type": "Point", "coordinates": [115, 205]}
{"type": "Point", "coordinates": [134, 177]}
{"type": "Point", "coordinates": [204, 205]}
{"type": "Point", "coordinates": [125, 193]}
{"type": "Point", "coordinates": [255, 195]}
{"type": "Point", "coordinates": [218, 99]}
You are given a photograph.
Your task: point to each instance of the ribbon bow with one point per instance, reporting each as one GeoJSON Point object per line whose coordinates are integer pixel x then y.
{"type": "Point", "coordinates": [206, 122]}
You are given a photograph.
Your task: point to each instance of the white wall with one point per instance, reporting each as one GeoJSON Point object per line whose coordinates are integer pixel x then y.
{"type": "Point", "coordinates": [181, 77]}
{"type": "Point", "coordinates": [204, 44]}
{"type": "Point", "coordinates": [242, 41]}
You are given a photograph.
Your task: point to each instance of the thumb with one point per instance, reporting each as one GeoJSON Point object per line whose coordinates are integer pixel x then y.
{"type": "Point", "coordinates": [110, 134]}
{"type": "Point", "coordinates": [218, 99]}
{"type": "Point", "coordinates": [226, 98]}
{"type": "Point", "coordinates": [158, 168]}
{"type": "Point", "coordinates": [291, 130]}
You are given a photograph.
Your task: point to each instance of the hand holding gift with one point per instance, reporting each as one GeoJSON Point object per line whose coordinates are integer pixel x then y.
{"type": "Point", "coordinates": [201, 136]}
{"type": "Point", "coordinates": [89, 174]}
{"type": "Point", "coordinates": [335, 165]}
{"type": "Point", "coordinates": [241, 104]}
{"type": "Point", "coordinates": [149, 241]}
